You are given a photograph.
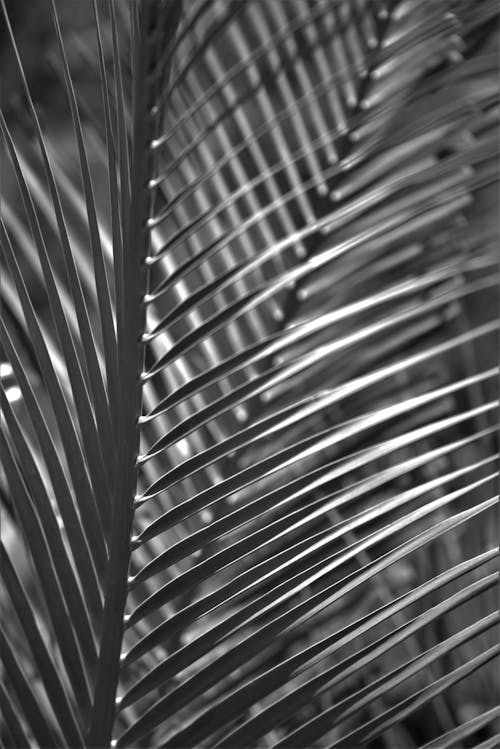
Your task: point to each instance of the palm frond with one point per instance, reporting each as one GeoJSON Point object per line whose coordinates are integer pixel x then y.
{"type": "Point", "coordinates": [251, 330]}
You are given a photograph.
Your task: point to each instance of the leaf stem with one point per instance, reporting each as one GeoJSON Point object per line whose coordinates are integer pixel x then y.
{"type": "Point", "coordinates": [131, 326]}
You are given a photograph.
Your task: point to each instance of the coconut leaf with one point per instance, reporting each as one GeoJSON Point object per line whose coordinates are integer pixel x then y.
{"type": "Point", "coordinates": [250, 374]}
